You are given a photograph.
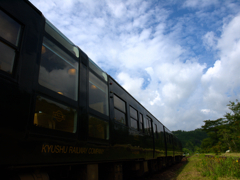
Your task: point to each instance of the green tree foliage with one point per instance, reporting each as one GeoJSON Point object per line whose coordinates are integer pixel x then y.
{"type": "Point", "coordinates": [223, 133]}
{"type": "Point", "coordinates": [191, 140]}
{"type": "Point", "coordinates": [186, 151]}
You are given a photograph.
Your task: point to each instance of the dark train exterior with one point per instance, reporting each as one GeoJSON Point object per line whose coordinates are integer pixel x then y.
{"type": "Point", "coordinates": [62, 116]}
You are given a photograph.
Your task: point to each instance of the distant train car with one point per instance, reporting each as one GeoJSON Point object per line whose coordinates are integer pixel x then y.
{"type": "Point", "coordinates": [62, 117]}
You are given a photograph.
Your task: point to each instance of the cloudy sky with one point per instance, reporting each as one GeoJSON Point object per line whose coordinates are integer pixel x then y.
{"type": "Point", "coordinates": [180, 59]}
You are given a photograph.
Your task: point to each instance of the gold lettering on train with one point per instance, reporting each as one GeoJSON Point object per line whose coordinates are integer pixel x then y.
{"type": "Point", "coordinates": [95, 151]}
{"type": "Point", "coordinates": [70, 149]}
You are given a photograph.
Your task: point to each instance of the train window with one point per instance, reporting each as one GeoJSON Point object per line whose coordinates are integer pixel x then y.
{"type": "Point", "coordinates": [149, 125]}
{"type": "Point", "coordinates": [133, 113]}
{"type": "Point", "coordinates": [98, 94]}
{"type": "Point", "coordinates": [58, 71]}
{"type": "Point", "coordinates": [52, 115]}
{"type": "Point", "coordinates": [10, 33]}
{"type": "Point", "coordinates": [10, 29]}
{"type": "Point", "coordinates": [120, 104]}
{"type": "Point", "coordinates": [119, 116]}
{"type": "Point", "coordinates": [140, 122]}
{"type": "Point", "coordinates": [134, 118]}
{"type": "Point", "coordinates": [146, 125]}
{"type": "Point", "coordinates": [98, 128]}
{"type": "Point", "coordinates": [119, 110]}
{"type": "Point", "coordinates": [97, 70]}
{"type": "Point", "coordinates": [61, 38]}
{"type": "Point", "coordinates": [7, 56]}
{"type": "Point", "coordinates": [159, 129]}
{"type": "Point", "coordinates": [134, 123]}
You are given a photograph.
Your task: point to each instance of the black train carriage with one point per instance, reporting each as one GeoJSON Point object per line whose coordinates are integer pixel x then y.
{"type": "Point", "coordinates": [62, 116]}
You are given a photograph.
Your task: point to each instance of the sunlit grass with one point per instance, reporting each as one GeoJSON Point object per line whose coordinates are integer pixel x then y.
{"type": "Point", "coordinates": [231, 155]}
{"type": "Point", "coordinates": [216, 167]}
{"type": "Point", "coordinates": [225, 154]}
{"type": "Point", "coordinates": [190, 171]}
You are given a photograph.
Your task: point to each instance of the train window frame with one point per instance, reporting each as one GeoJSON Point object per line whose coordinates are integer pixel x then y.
{"type": "Point", "coordinates": [42, 87]}
{"type": "Point", "coordinates": [58, 116]}
{"type": "Point", "coordinates": [134, 117]}
{"type": "Point", "coordinates": [14, 47]}
{"type": "Point", "coordinates": [61, 38]}
{"type": "Point", "coordinates": [117, 109]}
{"type": "Point", "coordinates": [97, 70]}
{"type": "Point", "coordinates": [54, 133]}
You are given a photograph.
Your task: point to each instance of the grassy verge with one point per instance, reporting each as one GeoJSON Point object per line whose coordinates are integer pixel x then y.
{"type": "Point", "coordinates": [190, 170]}
{"type": "Point", "coordinates": [201, 167]}
{"type": "Point", "coordinates": [237, 155]}
{"type": "Point", "coordinates": [218, 167]}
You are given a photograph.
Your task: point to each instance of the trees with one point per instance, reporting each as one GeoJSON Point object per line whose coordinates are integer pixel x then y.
{"type": "Point", "coordinates": [191, 140]}
{"type": "Point", "coordinates": [223, 133]}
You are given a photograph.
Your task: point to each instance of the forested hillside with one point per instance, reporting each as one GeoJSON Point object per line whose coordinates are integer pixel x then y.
{"type": "Point", "coordinates": [191, 140]}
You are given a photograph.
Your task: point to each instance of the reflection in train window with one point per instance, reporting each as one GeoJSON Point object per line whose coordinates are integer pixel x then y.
{"type": "Point", "coordinates": [156, 131]}
{"type": "Point", "coordinates": [148, 126]}
{"type": "Point", "coordinates": [134, 118]}
{"type": "Point", "coordinates": [61, 38]}
{"type": "Point", "coordinates": [97, 70]}
{"type": "Point", "coordinates": [98, 94]}
{"type": "Point", "coordinates": [133, 113]}
{"type": "Point", "coordinates": [10, 29]}
{"type": "Point", "coordinates": [52, 115]}
{"type": "Point", "coordinates": [98, 128]}
{"type": "Point", "coordinates": [119, 110]}
{"type": "Point", "coordinates": [119, 116]}
{"type": "Point", "coordinates": [141, 122]}
{"type": "Point", "coordinates": [134, 123]}
{"type": "Point", "coordinates": [10, 32]}
{"type": "Point", "coordinates": [120, 104]}
{"type": "Point", "coordinates": [58, 71]}
{"type": "Point", "coordinates": [160, 130]}
{"type": "Point", "coordinates": [7, 56]}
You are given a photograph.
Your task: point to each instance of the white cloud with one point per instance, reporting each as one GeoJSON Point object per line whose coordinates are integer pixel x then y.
{"type": "Point", "coordinates": [199, 3]}
{"type": "Point", "coordinates": [209, 40]}
{"type": "Point", "coordinates": [221, 82]}
{"type": "Point", "coordinates": [205, 111]}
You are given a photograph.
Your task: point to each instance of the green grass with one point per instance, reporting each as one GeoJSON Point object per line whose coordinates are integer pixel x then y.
{"type": "Point", "coordinates": [237, 155]}
{"type": "Point", "coordinates": [190, 170]}
{"type": "Point", "coordinates": [216, 167]}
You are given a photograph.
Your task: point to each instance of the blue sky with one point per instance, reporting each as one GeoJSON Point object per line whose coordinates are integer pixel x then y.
{"type": "Point", "coordinates": [180, 59]}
